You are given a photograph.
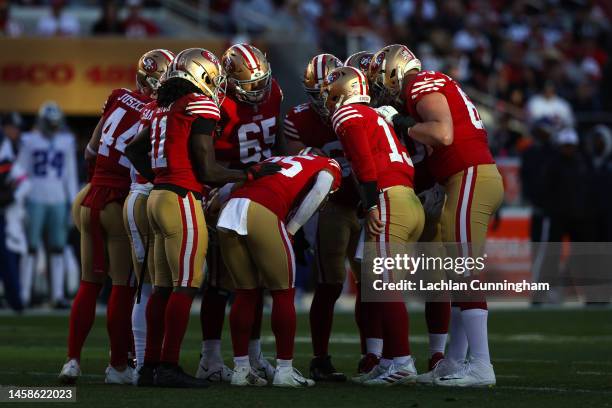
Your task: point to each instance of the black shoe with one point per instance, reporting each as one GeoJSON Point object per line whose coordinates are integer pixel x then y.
{"type": "Point", "coordinates": [146, 376]}
{"type": "Point", "coordinates": [173, 376]}
{"type": "Point", "coordinates": [322, 369]}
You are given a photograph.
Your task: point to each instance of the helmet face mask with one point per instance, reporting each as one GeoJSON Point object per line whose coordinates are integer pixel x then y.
{"type": "Point", "coordinates": [387, 70]}
{"type": "Point", "coordinates": [251, 91]}
{"type": "Point", "coordinates": [50, 118]}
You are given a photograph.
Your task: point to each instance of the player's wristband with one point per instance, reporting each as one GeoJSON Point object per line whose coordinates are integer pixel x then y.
{"type": "Point", "coordinates": [401, 123]}
{"type": "Point", "coordinates": [369, 195]}
{"type": "Point", "coordinates": [90, 150]}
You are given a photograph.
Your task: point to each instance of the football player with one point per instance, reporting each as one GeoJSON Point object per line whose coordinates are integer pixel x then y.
{"type": "Point", "coordinates": [438, 113]}
{"type": "Point", "coordinates": [104, 240]}
{"type": "Point", "coordinates": [394, 214]}
{"type": "Point", "coordinates": [151, 67]}
{"type": "Point", "coordinates": [437, 305]}
{"type": "Point", "coordinates": [338, 225]}
{"type": "Point", "coordinates": [47, 155]}
{"type": "Point", "coordinates": [255, 234]}
{"type": "Point", "coordinates": [245, 135]}
{"type": "Point", "coordinates": [182, 160]}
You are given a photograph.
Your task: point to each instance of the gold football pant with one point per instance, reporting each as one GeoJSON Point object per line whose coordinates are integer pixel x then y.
{"type": "Point", "coordinates": [337, 239]}
{"type": "Point", "coordinates": [181, 238]}
{"type": "Point", "coordinates": [264, 257]}
{"type": "Point", "coordinates": [116, 242]}
{"type": "Point", "coordinates": [137, 226]}
{"type": "Point", "coordinates": [472, 197]}
{"type": "Point", "coordinates": [76, 206]}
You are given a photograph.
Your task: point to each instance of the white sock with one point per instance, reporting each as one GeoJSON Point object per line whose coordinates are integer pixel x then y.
{"type": "Point", "coordinates": [385, 362]}
{"type": "Point", "coordinates": [437, 342]}
{"type": "Point", "coordinates": [399, 361]}
{"type": "Point", "coordinates": [284, 363]}
{"type": "Point", "coordinates": [374, 346]}
{"type": "Point", "coordinates": [242, 361]}
{"type": "Point", "coordinates": [211, 351]}
{"type": "Point", "coordinates": [139, 324]}
{"type": "Point", "coordinates": [27, 273]}
{"type": "Point", "coordinates": [254, 349]}
{"type": "Point", "coordinates": [475, 324]}
{"type": "Point", "coordinates": [458, 345]}
{"type": "Point", "coordinates": [57, 276]}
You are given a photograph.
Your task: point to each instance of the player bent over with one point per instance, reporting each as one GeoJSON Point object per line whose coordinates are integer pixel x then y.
{"type": "Point", "coordinates": [384, 170]}
{"type": "Point", "coordinates": [104, 241]}
{"type": "Point", "coordinates": [182, 160]}
{"type": "Point", "coordinates": [439, 114]}
{"type": "Point", "coordinates": [255, 235]}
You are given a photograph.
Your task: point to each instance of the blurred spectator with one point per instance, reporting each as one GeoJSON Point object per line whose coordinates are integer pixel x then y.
{"type": "Point", "coordinates": [108, 23]}
{"type": "Point", "coordinates": [135, 24]}
{"type": "Point", "coordinates": [599, 147]}
{"type": "Point", "coordinates": [8, 26]}
{"type": "Point", "coordinates": [58, 22]}
{"type": "Point", "coordinates": [13, 187]}
{"type": "Point", "coordinates": [550, 105]}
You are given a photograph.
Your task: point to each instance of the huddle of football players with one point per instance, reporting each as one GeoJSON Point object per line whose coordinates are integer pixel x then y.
{"type": "Point", "coordinates": [192, 172]}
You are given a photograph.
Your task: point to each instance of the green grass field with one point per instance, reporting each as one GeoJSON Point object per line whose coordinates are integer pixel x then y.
{"type": "Point", "coordinates": [560, 358]}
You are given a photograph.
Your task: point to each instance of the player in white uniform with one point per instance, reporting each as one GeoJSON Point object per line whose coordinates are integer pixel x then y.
{"type": "Point", "coordinates": [47, 154]}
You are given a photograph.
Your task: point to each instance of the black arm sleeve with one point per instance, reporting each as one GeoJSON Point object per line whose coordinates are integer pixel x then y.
{"type": "Point", "coordinates": [369, 194]}
{"type": "Point", "coordinates": [203, 126]}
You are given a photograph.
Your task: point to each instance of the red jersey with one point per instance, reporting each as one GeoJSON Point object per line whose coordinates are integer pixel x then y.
{"type": "Point", "coordinates": [120, 119]}
{"type": "Point", "coordinates": [304, 124]}
{"type": "Point", "coordinates": [281, 192]}
{"type": "Point", "coordinates": [246, 133]}
{"type": "Point", "coordinates": [470, 146]}
{"type": "Point", "coordinates": [170, 132]}
{"type": "Point", "coordinates": [372, 147]}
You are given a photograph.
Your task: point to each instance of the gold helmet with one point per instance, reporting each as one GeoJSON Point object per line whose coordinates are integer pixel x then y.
{"type": "Point", "coordinates": [360, 60]}
{"type": "Point", "coordinates": [151, 66]}
{"type": "Point", "coordinates": [248, 73]}
{"type": "Point", "coordinates": [316, 71]}
{"type": "Point", "coordinates": [343, 86]}
{"type": "Point", "coordinates": [200, 67]}
{"type": "Point", "coordinates": [387, 69]}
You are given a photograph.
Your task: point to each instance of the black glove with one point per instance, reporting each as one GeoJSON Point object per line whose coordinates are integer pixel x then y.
{"type": "Point", "coordinates": [401, 123]}
{"type": "Point", "coordinates": [261, 170]}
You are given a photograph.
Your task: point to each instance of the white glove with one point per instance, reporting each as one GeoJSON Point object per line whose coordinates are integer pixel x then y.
{"type": "Point", "coordinates": [387, 113]}
{"type": "Point", "coordinates": [433, 201]}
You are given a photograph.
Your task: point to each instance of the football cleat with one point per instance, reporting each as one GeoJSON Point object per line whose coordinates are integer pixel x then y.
{"type": "Point", "coordinates": [291, 378]}
{"type": "Point", "coordinates": [213, 372]}
{"type": "Point", "coordinates": [366, 367]}
{"type": "Point", "coordinates": [263, 368]}
{"type": "Point", "coordinates": [322, 369]}
{"type": "Point", "coordinates": [438, 367]}
{"type": "Point", "coordinates": [173, 376]}
{"type": "Point", "coordinates": [395, 375]}
{"type": "Point", "coordinates": [71, 371]}
{"type": "Point", "coordinates": [145, 376]}
{"type": "Point", "coordinates": [474, 373]}
{"type": "Point", "coordinates": [246, 376]}
{"type": "Point", "coordinates": [114, 376]}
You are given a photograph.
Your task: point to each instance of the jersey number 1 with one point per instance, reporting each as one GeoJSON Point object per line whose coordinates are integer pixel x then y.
{"type": "Point", "coordinates": [395, 156]}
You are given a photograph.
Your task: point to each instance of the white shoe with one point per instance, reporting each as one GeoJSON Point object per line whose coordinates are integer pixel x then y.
{"type": "Point", "coordinates": [213, 372]}
{"type": "Point", "coordinates": [114, 376]}
{"type": "Point", "coordinates": [246, 376]}
{"type": "Point", "coordinates": [263, 368]}
{"type": "Point", "coordinates": [443, 367]}
{"type": "Point", "coordinates": [71, 371]}
{"type": "Point", "coordinates": [474, 373]}
{"type": "Point", "coordinates": [291, 377]}
{"type": "Point", "coordinates": [373, 373]}
{"type": "Point", "coordinates": [395, 375]}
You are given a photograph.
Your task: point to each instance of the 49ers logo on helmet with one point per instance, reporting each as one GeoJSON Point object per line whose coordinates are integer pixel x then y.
{"type": "Point", "coordinates": [364, 62]}
{"type": "Point", "coordinates": [149, 65]}
{"type": "Point", "coordinates": [229, 65]}
{"type": "Point", "coordinates": [210, 56]}
{"type": "Point", "coordinates": [333, 77]}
